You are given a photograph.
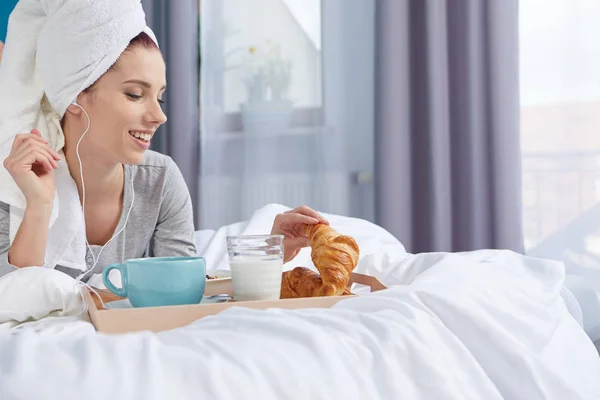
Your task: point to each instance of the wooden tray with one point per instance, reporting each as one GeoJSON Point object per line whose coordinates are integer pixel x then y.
{"type": "Point", "coordinates": [158, 319]}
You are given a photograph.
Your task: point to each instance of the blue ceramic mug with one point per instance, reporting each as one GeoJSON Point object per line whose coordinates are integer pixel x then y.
{"type": "Point", "coordinates": [160, 281]}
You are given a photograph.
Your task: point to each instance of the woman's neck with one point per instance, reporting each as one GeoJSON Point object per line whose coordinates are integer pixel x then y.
{"type": "Point", "coordinates": [103, 179]}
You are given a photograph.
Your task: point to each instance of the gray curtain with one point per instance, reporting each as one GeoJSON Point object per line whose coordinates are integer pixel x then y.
{"type": "Point", "coordinates": [175, 24]}
{"type": "Point", "coordinates": [447, 124]}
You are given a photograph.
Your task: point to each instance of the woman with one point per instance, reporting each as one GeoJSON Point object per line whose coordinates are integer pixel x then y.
{"type": "Point", "coordinates": [124, 111]}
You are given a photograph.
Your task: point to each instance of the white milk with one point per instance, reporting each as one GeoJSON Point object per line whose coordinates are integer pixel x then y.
{"type": "Point", "coordinates": [256, 279]}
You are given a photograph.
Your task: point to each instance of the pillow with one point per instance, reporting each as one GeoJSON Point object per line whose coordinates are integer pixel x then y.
{"type": "Point", "coordinates": [33, 293]}
{"type": "Point", "coordinates": [380, 251]}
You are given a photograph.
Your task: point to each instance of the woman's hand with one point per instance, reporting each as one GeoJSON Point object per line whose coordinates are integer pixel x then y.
{"type": "Point", "coordinates": [31, 163]}
{"type": "Point", "coordinates": [289, 224]}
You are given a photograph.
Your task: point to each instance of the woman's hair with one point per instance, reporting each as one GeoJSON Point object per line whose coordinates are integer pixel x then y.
{"type": "Point", "coordinates": [142, 40]}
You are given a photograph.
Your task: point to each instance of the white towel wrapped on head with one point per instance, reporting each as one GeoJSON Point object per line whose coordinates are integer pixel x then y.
{"type": "Point", "coordinates": [54, 50]}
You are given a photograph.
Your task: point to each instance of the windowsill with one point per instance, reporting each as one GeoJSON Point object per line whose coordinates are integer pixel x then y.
{"type": "Point", "coordinates": [289, 132]}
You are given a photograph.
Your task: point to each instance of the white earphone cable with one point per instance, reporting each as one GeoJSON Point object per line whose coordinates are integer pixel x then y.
{"type": "Point", "coordinates": [94, 257]}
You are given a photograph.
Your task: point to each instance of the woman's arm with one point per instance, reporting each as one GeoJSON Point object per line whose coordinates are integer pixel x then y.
{"type": "Point", "coordinates": [5, 266]}
{"type": "Point", "coordinates": [29, 247]}
{"type": "Point", "coordinates": [31, 163]}
{"type": "Point", "coordinates": [174, 232]}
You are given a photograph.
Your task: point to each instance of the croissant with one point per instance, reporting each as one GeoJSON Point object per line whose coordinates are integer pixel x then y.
{"type": "Point", "coordinates": [335, 257]}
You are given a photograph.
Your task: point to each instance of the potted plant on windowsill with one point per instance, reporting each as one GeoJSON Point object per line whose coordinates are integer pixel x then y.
{"type": "Point", "coordinates": [267, 109]}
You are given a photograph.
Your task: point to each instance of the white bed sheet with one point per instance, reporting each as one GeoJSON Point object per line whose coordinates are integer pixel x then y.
{"type": "Point", "coordinates": [478, 325]}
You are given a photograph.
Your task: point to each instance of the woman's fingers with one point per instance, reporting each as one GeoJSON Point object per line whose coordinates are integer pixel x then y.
{"type": "Point", "coordinates": [53, 153]}
{"type": "Point", "coordinates": [37, 155]}
{"type": "Point", "coordinates": [49, 157]}
{"type": "Point", "coordinates": [23, 138]}
{"type": "Point", "coordinates": [44, 159]}
{"type": "Point", "coordinates": [31, 142]}
{"type": "Point", "coordinates": [33, 137]}
{"type": "Point", "coordinates": [305, 210]}
{"type": "Point", "coordinates": [36, 133]}
{"type": "Point", "coordinates": [294, 218]}
{"type": "Point", "coordinates": [286, 224]}
{"type": "Point", "coordinates": [290, 224]}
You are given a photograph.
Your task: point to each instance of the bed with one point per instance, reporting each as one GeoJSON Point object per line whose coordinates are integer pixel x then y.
{"type": "Point", "coordinates": [475, 325]}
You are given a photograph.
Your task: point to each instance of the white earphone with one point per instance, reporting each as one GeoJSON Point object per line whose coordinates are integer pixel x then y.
{"type": "Point", "coordinates": [75, 103]}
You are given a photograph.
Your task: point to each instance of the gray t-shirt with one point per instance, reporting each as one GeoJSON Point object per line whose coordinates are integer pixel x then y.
{"type": "Point", "coordinates": [160, 224]}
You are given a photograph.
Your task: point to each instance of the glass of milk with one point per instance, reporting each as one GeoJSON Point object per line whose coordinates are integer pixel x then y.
{"type": "Point", "coordinates": [256, 263]}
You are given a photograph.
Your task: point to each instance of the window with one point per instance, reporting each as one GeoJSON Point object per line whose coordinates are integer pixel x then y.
{"type": "Point", "coordinates": [270, 50]}
{"type": "Point", "coordinates": [560, 128]}
{"type": "Point", "coordinates": [254, 151]}
{"type": "Point", "coordinates": [271, 66]}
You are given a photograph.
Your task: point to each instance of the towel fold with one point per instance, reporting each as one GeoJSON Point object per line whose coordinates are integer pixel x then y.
{"type": "Point", "coordinates": [54, 50]}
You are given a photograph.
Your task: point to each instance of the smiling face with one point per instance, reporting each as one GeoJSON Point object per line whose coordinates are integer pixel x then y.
{"type": "Point", "coordinates": [124, 106]}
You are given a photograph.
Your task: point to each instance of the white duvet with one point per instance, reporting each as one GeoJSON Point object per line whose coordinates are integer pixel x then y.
{"type": "Point", "coordinates": [479, 325]}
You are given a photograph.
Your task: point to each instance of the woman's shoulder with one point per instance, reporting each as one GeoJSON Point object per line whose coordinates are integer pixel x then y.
{"type": "Point", "coordinates": [157, 170]}
{"type": "Point", "coordinates": [155, 159]}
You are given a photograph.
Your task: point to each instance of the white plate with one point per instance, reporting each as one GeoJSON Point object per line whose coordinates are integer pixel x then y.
{"type": "Point", "coordinates": [117, 304]}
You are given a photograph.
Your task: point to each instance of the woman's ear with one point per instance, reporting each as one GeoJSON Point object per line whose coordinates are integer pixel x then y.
{"type": "Point", "coordinates": [74, 109]}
